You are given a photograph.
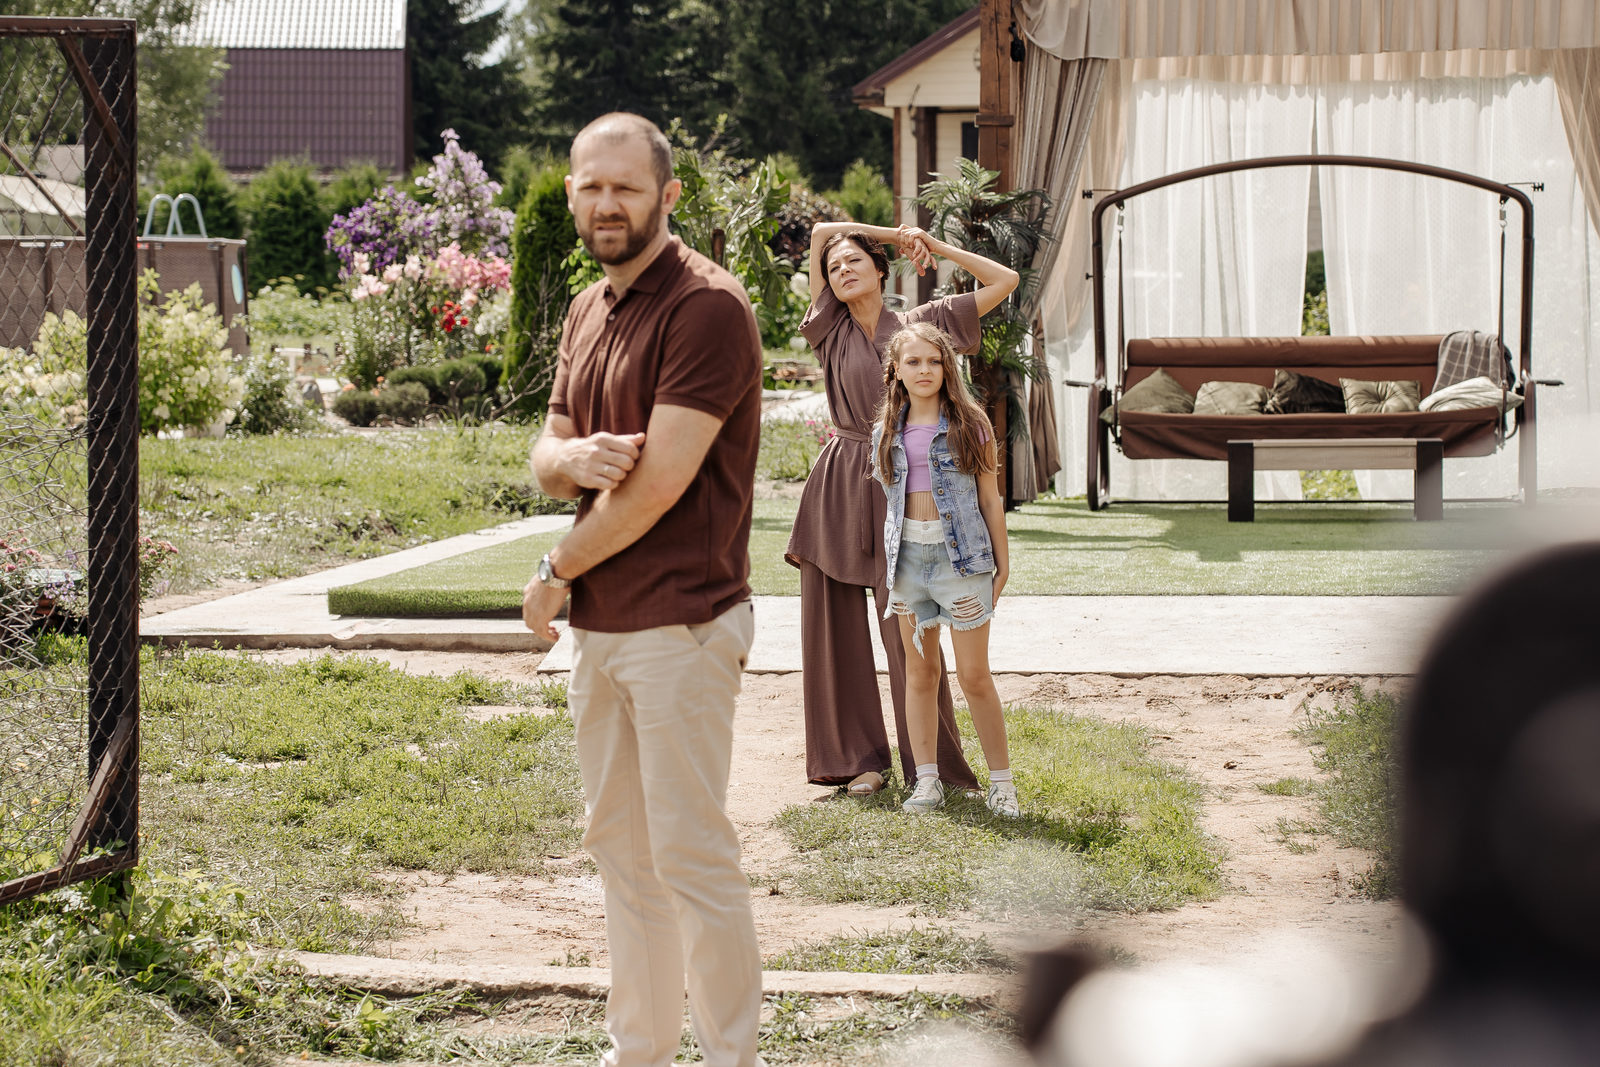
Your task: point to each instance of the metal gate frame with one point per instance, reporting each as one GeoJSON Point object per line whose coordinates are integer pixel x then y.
{"type": "Point", "coordinates": [99, 53]}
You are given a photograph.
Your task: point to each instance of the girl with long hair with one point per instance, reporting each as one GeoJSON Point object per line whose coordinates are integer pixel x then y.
{"type": "Point", "coordinates": [837, 541]}
{"type": "Point", "coordinates": [933, 452]}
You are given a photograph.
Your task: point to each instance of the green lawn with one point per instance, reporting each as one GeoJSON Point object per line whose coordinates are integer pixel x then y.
{"type": "Point", "coordinates": [257, 508]}
{"type": "Point", "coordinates": [1060, 547]}
{"type": "Point", "coordinates": [1105, 826]}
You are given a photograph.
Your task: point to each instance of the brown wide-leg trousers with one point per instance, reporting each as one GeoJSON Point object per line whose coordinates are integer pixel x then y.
{"type": "Point", "coordinates": [844, 718]}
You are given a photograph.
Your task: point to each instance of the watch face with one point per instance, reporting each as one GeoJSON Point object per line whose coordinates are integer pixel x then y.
{"type": "Point", "coordinates": [546, 572]}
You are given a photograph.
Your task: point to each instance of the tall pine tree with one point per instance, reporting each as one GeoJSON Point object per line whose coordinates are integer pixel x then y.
{"type": "Point", "coordinates": [793, 65]}
{"type": "Point", "coordinates": [658, 58]}
{"type": "Point", "coordinates": [453, 88]}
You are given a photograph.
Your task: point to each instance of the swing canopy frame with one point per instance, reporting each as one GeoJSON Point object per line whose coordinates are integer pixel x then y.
{"type": "Point", "coordinates": [1195, 360]}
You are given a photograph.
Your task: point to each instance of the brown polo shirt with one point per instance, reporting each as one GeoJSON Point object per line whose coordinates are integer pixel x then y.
{"type": "Point", "coordinates": [683, 333]}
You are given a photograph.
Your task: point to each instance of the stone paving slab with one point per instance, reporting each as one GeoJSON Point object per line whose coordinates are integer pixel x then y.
{"type": "Point", "coordinates": [407, 978]}
{"type": "Point", "coordinates": [1139, 635]}
{"type": "Point", "coordinates": [294, 613]}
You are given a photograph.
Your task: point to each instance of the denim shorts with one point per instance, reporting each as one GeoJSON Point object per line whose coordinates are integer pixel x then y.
{"type": "Point", "coordinates": [927, 588]}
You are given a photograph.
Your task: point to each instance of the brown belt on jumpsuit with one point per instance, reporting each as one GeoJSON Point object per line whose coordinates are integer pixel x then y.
{"type": "Point", "coordinates": [865, 533]}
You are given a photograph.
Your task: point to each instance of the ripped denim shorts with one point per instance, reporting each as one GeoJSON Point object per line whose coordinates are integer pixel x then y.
{"type": "Point", "coordinates": [927, 588]}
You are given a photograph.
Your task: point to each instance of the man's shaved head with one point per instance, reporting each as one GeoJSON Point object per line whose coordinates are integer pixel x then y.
{"type": "Point", "coordinates": [620, 126]}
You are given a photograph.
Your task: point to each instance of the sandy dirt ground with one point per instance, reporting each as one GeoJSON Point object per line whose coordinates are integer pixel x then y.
{"type": "Point", "coordinates": [1230, 733]}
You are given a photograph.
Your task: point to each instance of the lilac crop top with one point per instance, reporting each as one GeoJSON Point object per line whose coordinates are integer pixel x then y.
{"type": "Point", "coordinates": [916, 440]}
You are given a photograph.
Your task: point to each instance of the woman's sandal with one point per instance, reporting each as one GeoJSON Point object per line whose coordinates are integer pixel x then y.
{"type": "Point", "coordinates": [865, 784]}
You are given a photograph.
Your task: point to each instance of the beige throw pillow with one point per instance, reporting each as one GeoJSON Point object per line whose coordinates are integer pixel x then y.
{"type": "Point", "coordinates": [1372, 398]}
{"type": "Point", "coordinates": [1230, 398]}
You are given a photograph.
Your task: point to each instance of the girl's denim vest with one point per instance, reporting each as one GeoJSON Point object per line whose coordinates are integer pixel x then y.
{"type": "Point", "coordinates": [966, 535]}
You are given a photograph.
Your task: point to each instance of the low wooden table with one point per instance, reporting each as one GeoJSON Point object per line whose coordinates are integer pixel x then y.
{"type": "Point", "coordinates": [1423, 455]}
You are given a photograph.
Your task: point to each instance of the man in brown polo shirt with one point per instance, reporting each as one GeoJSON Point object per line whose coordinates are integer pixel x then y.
{"type": "Point", "coordinates": [654, 421]}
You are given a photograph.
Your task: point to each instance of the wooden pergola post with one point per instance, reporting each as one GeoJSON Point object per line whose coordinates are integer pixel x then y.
{"type": "Point", "coordinates": [996, 116]}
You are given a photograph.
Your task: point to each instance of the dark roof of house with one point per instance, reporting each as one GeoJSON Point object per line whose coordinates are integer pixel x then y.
{"type": "Point", "coordinates": [302, 24]}
{"type": "Point", "coordinates": [868, 92]}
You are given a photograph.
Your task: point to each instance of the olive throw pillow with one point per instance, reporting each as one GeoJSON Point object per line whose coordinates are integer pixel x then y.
{"type": "Point", "coordinates": [1293, 394]}
{"type": "Point", "coordinates": [1230, 398]}
{"type": "Point", "coordinates": [1373, 398]}
{"type": "Point", "coordinates": [1160, 392]}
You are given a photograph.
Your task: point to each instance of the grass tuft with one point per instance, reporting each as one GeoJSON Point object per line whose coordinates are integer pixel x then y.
{"type": "Point", "coordinates": [1353, 743]}
{"type": "Point", "coordinates": [1104, 826]}
{"type": "Point", "coordinates": [919, 950]}
{"type": "Point", "coordinates": [1288, 787]}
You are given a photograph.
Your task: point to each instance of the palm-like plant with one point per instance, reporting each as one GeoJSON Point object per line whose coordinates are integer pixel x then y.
{"type": "Point", "coordinates": [1008, 228]}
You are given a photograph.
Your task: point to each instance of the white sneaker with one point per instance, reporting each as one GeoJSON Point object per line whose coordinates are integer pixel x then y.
{"type": "Point", "coordinates": [1002, 800]}
{"type": "Point", "coordinates": [928, 796]}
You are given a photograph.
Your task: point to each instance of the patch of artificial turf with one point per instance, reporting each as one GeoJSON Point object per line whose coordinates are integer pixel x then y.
{"type": "Point", "coordinates": [1059, 547]}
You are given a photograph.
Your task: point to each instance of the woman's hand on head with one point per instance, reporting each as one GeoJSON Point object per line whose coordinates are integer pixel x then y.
{"type": "Point", "coordinates": [916, 245]}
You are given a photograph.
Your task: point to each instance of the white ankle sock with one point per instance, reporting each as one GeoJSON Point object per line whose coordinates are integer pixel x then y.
{"type": "Point", "coordinates": [927, 770]}
{"type": "Point", "coordinates": [1002, 775]}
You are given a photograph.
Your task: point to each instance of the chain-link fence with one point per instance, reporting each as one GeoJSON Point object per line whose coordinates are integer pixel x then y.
{"type": "Point", "coordinates": [69, 453]}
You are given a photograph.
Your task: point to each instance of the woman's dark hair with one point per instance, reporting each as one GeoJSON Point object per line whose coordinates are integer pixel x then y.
{"type": "Point", "coordinates": [872, 248]}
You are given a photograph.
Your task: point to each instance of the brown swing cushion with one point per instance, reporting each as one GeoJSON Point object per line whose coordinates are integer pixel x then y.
{"type": "Point", "coordinates": [1193, 361]}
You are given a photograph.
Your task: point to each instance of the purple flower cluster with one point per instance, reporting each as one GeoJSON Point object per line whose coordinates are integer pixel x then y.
{"type": "Point", "coordinates": [463, 200]}
{"type": "Point", "coordinates": [385, 229]}
{"type": "Point", "coordinates": [457, 207]}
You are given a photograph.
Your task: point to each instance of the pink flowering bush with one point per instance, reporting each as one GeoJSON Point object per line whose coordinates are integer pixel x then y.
{"type": "Point", "coordinates": [154, 556]}
{"type": "Point", "coordinates": [423, 309]}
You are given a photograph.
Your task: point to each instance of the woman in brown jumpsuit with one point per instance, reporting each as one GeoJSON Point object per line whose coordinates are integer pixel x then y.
{"type": "Point", "coordinates": [838, 532]}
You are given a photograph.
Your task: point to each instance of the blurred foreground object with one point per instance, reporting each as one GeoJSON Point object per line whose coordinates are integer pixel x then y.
{"type": "Point", "coordinates": [1499, 867]}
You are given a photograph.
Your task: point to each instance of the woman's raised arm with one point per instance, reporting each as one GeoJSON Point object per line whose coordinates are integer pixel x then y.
{"type": "Point", "coordinates": [996, 281]}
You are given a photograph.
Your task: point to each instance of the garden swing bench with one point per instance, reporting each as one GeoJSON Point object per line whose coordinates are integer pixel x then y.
{"type": "Point", "coordinates": [1305, 440]}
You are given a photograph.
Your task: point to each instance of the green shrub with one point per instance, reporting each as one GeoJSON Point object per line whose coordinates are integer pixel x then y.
{"type": "Point", "coordinates": [541, 241]}
{"type": "Point", "coordinates": [375, 342]}
{"type": "Point", "coordinates": [491, 366]}
{"type": "Point", "coordinates": [865, 195]}
{"type": "Point", "coordinates": [351, 187]}
{"type": "Point", "coordinates": [48, 383]}
{"type": "Point", "coordinates": [287, 223]}
{"type": "Point", "coordinates": [425, 375]}
{"type": "Point", "coordinates": [406, 402]}
{"type": "Point", "coordinates": [271, 404]}
{"type": "Point", "coordinates": [356, 406]}
{"type": "Point", "coordinates": [280, 313]}
{"type": "Point", "coordinates": [186, 371]}
{"type": "Point", "coordinates": [789, 448]}
{"type": "Point", "coordinates": [201, 176]}
{"type": "Point", "coordinates": [461, 378]}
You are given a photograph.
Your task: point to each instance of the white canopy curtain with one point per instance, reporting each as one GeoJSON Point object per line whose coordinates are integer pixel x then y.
{"type": "Point", "coordinates": [1409, 255]}
{"type": "Point", "coordinates": [1304, 50]}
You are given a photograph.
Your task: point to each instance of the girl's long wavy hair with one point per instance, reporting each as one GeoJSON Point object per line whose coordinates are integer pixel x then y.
{"type": "Point", "coordinates": [970, 432]}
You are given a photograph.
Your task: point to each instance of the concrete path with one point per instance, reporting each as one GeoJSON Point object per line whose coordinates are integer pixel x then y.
{"type": "Point", "coordinates": [1131, 635]}
{"type": "Point", "coordinates": [294, 613]}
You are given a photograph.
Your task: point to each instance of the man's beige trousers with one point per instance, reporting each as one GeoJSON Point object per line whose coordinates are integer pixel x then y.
{"type": "Point", "coordinates": [654, 717]}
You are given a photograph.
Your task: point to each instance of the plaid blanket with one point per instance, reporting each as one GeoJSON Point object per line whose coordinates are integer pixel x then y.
{"type": "Point", "coordinates": [1468, 354]}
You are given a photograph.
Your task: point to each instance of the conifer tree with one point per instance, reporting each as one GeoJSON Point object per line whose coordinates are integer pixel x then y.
{"type": "Point", "coordinates": [657, 58]}
{"type": "Point", "coordinates": [793, 66]}
{"type": "Point", "coordinates": [453, 88]}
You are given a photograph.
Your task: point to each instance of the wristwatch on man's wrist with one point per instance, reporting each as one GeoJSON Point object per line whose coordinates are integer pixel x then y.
{"type": "Point", "coordinates": [547, 574]}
